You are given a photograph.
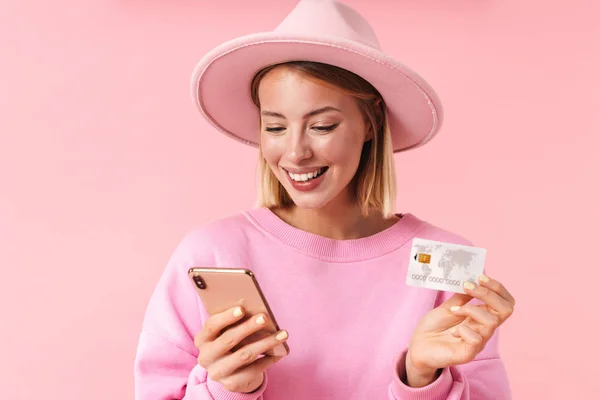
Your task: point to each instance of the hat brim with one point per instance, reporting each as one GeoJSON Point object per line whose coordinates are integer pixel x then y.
{"type": "Point", "coordinates": [220, 85]}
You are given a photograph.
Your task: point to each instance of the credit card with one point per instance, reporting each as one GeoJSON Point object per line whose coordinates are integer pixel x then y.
{"type": "Point", "coordinates": [444, 266]}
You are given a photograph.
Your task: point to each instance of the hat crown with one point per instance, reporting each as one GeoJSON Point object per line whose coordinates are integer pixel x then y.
{"type": "Point", "coordinates": [328, 18]}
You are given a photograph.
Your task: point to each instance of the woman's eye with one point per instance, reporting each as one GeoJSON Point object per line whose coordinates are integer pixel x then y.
{"type": "Point", "coordinates": [325, 128]}
{"type": "Point", "coordinates": [328, 128]}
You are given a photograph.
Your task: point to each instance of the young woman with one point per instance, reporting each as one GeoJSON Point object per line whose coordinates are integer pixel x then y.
{"type": "Point", "coordinates": [327, 110]}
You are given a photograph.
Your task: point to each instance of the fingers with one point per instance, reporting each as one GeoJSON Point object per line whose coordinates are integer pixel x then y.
{"type": "Point", "coordinates": [496, 287]}
{"type": "Point", "coordinates": [232, 337]}
{"type": "Point", "coordinates": [248, 354]}
{"type": "Point", "coordinates": [213, 327]}
{"type": "Point", "coordinates": [458, 299]}
{"type": "Point", "coordinates": [467, 334]}
{"type": "Point", "coordinates": [492, 293]}
{"type": "Point", "coordinates": [489, 322]}
{"type": "Point", "coordinates": [221, 346]}
{"type": "Point", "coordinates": [262, 364]}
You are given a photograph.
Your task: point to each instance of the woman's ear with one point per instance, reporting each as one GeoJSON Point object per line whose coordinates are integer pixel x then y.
{"type": "Point", "coordinates": [369, 135]}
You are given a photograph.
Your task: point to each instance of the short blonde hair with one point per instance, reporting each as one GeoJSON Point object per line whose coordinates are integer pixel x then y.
{"type": "Point", "coordinates": [375, 178]}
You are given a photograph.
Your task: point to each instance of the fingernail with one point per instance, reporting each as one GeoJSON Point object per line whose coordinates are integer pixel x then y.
{"type": "Point", "coordinates": [260, 320]}
{"type": "Point", "coordinates": [484, 278]}
{"type": "Point", "coordinates": [453, 330]}
{"type": "Point", "coordinates": [237, 312]}
{"type": "Point", "coordinates": [454, 308]}
{"type": "Point", "coordinates": [281, 335]}
{"type": "Point", "coordinates": [469, 285]}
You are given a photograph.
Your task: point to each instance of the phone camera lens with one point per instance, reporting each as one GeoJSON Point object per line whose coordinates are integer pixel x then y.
{"type": "Point", "coordinates": [199, 282]}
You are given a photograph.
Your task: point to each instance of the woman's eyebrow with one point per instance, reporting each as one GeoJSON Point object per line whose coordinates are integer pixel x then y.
{"type": "Point", "coordinates": [268, 113]}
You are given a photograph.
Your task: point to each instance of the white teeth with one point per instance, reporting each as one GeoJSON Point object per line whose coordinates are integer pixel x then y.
{"type": "Point", "coordinates": [305, 177]}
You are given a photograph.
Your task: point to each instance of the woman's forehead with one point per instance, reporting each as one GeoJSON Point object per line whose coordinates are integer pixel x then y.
{"type": "Point", "coordinates": [286, 79]}
{"type": "Point", "coordinates": [301, 93]}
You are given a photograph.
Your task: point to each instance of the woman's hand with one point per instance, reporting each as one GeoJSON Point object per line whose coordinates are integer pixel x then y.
{"type": "Point", "coordinates": [455, 332]}
{"type": "Point", "coordinates": [231, 358]}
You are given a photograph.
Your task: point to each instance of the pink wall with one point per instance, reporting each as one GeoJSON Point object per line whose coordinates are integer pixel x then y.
{"type": "Point", "coordinates": [104, 165]}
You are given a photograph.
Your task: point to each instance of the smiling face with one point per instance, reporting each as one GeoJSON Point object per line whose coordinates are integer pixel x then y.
{"type": "Point", "coordinates": [312, 136]}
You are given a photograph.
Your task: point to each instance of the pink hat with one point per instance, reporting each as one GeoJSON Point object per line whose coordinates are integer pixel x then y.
{"type": "Point", "coordinates": [325, 31]}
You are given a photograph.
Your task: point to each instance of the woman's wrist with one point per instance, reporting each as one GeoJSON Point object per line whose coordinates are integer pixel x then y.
{"type": "Point", "coordinates": [419, 377]}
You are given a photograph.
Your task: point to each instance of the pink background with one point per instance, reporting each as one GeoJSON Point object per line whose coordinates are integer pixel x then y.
{"type": "Point", "coordinates": [105, 165]}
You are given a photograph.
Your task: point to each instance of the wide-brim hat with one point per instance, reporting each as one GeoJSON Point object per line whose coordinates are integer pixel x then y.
{"type": "Point", "coordinates": [324, 31]}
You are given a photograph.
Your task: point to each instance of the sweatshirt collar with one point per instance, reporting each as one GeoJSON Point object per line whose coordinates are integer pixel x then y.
{"type": "Point", "coordinates": [329, 249]}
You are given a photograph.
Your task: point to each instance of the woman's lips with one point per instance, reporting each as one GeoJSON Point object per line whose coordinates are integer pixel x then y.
{"type": "Point", "coordinates": [308, 185]}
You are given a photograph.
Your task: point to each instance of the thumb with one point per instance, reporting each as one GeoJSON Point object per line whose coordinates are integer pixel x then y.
{"type": "Point", "coordinates": [459, 299]}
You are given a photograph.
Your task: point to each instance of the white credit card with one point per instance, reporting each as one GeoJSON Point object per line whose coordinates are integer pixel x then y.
{"type": "Point", "coordinates": [443, 266]}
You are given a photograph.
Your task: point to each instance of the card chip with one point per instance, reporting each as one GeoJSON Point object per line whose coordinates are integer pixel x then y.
{"type": "Point", "coordinates": [424, 258]}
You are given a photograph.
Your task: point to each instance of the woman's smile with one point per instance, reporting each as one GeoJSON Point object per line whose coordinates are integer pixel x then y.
{"type": "Point", "coordinates": [306, 181]}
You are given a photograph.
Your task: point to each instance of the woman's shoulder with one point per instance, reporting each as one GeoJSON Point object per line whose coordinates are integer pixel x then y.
{"type": "Point", "coordinates": [438, 232]}
{"type": "Point", "coordinates": [226, 228]}
{"type": "Point", "coordinates": [225, 236]}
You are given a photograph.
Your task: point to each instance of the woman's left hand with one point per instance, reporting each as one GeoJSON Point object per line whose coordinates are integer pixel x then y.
{"type": "Point", "coordinates": [455, 332]}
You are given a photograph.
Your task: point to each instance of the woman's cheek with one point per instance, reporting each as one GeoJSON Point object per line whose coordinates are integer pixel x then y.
{"type": "Point", "coordinates": [270, 150]}
{"type": "Point", "coordinates": [335, 149]}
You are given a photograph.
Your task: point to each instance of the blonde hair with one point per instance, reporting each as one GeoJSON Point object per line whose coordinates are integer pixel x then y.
{"type": "Point", "coordinates": [375, 178]}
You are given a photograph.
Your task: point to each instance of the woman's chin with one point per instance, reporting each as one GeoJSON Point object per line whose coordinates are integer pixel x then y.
{"type": "Point", "coordinates": [311, 201]}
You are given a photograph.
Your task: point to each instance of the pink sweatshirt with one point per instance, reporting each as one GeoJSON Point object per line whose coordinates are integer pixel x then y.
{"type": "Point", "coordinates": [345, 304]}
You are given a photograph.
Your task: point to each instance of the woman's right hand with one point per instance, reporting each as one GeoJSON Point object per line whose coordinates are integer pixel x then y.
{"type": "Point", "coordinates": [227, 357]}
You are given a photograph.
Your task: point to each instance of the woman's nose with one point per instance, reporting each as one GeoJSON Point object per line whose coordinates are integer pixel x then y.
{"type": "Point", "coordinates": [298, 149]}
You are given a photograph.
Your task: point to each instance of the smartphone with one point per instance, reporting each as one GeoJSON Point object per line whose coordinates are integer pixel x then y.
{"type": "Point", "coordinates": [221, 289]}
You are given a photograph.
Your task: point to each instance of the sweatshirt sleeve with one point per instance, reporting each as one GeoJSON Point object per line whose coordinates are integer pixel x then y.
{"type": "Point", "coordinates": [484, 378]}
{"type": "Point", "coordinates": [166, 365]}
